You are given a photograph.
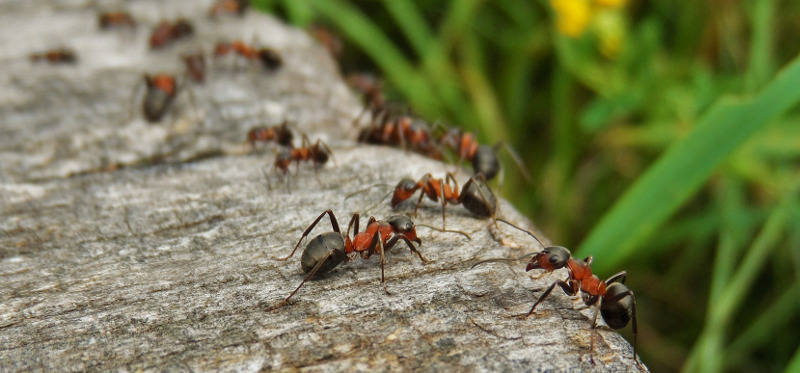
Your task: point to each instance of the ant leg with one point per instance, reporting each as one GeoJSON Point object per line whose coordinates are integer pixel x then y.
{"type": "Point", "coordinates": [353, 220]}
{"type": "Point", "coordinates": [594, 329]}
{"type": "Point", "coordinates": [310, 274]}
{"type": "Point", "coordinates": [481, 178]}
{"type": "Point", "coordinates": [266, 176]}
{"type": "Point", "coordinates": [383, 263]}
{"type": "Point", "coordinates": [619, 277]}
{"type": "Point", "coordinates": [562, 284]}
{"type": "Point", "coordinates": [619, 297]}
{"type": "Point", "coordinates": [324, 145]}
{"type": "Point", "coordinates": [334, 224]}
{"type": "Point", "coordinates": [426, 181]}
{"type": "Point", "coordinates": [394, 239]}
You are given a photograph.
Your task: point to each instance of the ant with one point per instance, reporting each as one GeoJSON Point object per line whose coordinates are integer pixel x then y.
{"type": "Point", "coordinates": [228, 7]}
{"type": "Point", "coordinates": [161, 90]}
{"type": "Point", "coordinates": [328, 250]}
{"type": "Point", "coordinates": [166, 33]}
{"type": "Point", "coordinates": [319, 153]}
{"type": "Point", "coordinates": [611, 298]}
{"type": "Point", "coordinates": [54, 56]}
{"type": "Point", "coordinates": [476, 196]}
{"type": "Point", "coordinates": [327, 38]}
{"type": "Point", "coordinates": [110, 20]}
{"type": "Point", "coordinates": [195, 65]}
{"type": "Point", "coordinates": [403, 129]}
{"type": "Point", "coordinates": [280, 134]}
{"type": "Point", "coordinates": [483, 157]}
{"type": "Point", "coordinates": [268, 57]}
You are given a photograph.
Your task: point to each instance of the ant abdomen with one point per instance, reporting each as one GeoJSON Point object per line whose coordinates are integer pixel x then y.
{"type": "Point", "coordinates": [330, 245]}
{"type": "Point", "coordinates": [478, 198]}
{"type": "Point", "coordinates": [616, 314]}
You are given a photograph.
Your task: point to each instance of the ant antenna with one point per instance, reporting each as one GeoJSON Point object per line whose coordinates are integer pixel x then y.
{"type": "Point", "coordinates": [517, 159]}
{"type": "Point", "coordinates": [445, 230]}
{"type": "Point", "coordinates": [524, 230]}
{"type": "Point", "coordinates": [500, 260]}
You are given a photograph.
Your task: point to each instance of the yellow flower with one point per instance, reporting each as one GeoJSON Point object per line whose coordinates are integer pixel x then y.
{"type": "Point", "coordinates": [572, 16]}
{"type": "Point", "coordinates": [611, 3]}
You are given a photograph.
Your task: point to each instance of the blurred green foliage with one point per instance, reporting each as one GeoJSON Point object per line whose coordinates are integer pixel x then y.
{"type": "Point", "coordinates": [663, 136]}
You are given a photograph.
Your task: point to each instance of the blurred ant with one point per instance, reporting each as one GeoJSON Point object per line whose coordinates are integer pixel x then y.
{"type": "Point", "coordinates": [328, 250]}
{"type": "Point", "coordinates": [401, 131]}
{"type": "Point", "coordinates": [195, 65]}
{"type": "Point", "coordinates": [280, 134]}
{"type": "Point", "coordinates": [476, 196]}
{"type": "Point", "coordinates": [55, 56]}
{"type": "Point", "coordinates": [228, 7]}
{"type": "Point", "coordinates": [110, 20]}
{"type": "Point", "coordinates": [483, 157]}
{"type": "Point", "coordinates": [319, 153]}
{"type": "Point", "coordinates": [166, 33]}
{"type": "Point", "coordinates": [610, 298]}
{"type": "Point", "coordinates": [268, 57]}
{"type": "Point", "coordinates": [161, 91]}
{"type": "Point", "coordinates": [327, 38]}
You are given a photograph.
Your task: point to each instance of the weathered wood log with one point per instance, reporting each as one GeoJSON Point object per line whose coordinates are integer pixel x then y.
{"type": "Point", "coordinates": [128, 246]}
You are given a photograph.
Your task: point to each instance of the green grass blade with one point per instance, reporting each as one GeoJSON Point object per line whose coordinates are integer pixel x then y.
{"type": "Point", "coordinates": [397, 68]}
{"type": "Point", "coordinates": [683, 169]}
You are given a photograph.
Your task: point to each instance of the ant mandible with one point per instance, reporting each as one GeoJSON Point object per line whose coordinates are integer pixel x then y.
{"type": "Point", "coordinates": [328, 250]}
{"type": "Point", "coordinates": [476, 196]}
{"type": "Point", "coordinates": [166, 33]}
{"type": "Point", "coordinates": [610, 298]}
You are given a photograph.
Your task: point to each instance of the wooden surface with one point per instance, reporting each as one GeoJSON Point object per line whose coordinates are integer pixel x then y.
{"type": "Point", "coordinates": [133, 246]}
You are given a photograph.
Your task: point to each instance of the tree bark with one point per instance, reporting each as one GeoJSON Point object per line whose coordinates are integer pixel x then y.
{"type": "Point", "coordinates": [134, 246]}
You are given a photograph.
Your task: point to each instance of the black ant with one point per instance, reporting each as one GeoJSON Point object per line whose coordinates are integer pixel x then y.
{"type": "Point", "coordinates": [269, 58]}
{"type": "Point", "coordinates": [166, 32]}
{"type": "Point", "coordinates": [110, 20]}
{"type": "Point", "coordinates": [611, 298]}
{"type": "Point", "coordinates": [55, 56]}
{"type": "Point", "coordinates": [195, 65]}
{"type": "Point", "coordinates": [328, 250]}
{"type": "Point", "coordinates": [280, 134]}
{"type": "Point", "coordinates": [483, 157]}
{"type": "Point", "coordinates": [228, 7]}
{"type": "Point", "coordinates": [476, 196]}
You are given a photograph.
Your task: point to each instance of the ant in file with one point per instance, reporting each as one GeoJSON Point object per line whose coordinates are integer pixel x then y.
{"type": "Point", "coordinates": [111, 20]}
{"type": "Point", "coordinates": [55, 56]}
{"type": "Point", "coordinates": [161, 91]}
{"type": "Point", "coordinates": [195, 65]}
{"type": "Point", "coordinates": [328, 250]}
{"type": "Point", "coordinates": [403, 131]}
{"type": "Point", "coordinates": [483, 157]}
{"type": "Point", "coordinates": [228, 7]}
{"type": "Point", "coordinates": [281, 134]}
{"type": "Point", "coordinates": [318, 153]}
{"type": "Point", "coordinates": [476, 196]}
{"type": "Point", "coordinates": [166, 33]}
{"type": "Point", "coordinates": [269, 58]}
{"type": "Point", "coordinates": [610, 298]}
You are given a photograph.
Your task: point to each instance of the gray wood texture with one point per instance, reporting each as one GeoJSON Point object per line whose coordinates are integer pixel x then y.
{"type": "Point", "coordinates": [130, 246]}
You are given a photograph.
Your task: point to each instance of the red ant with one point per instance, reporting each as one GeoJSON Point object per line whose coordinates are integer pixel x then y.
{"type": "Point", "coordinates": [476, 196]}
{"type": "Point", "coordinates": [328, 250]}
{"type": "Point", "coordinates": [400, 131]}
{"type": "Point", "coordinates": [611, 298]}
{"type": "Point", "coordinates": [161, 90]}
{"type": "Point", "coordinates": [483, 157]}
{"type": "Point", "coordinates": [319, 153]}
{"type": "Point", "coordinates": [54, 56]}
{"type": "Point", "coordinates": [269, 57]}
{"type": "Point", "coordinates": [195, 65]}
{"type": "Point", "coordinates": [115, 19]}
{"type": "Point", "coordinates": [228, 7]}
{"type": "Point", "coordinates": [166, 33]}
{"type": "Point", "coordinates": [280, 134]}
{"type": "Point", "coordinates": [327, 38]}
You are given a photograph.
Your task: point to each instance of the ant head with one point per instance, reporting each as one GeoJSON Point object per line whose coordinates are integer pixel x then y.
{"type": "Point", "coordinates": [617, 305]}
{"type": "Point", "coordinates": [551, 258]}
{"type": "Point", "coordinates": [485, 161]}
{"type": "Point", "coordinates": [270, 58]}
{"type": "Point", "coordinates": [403, 225]}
